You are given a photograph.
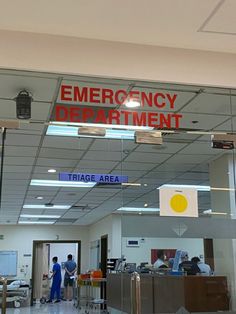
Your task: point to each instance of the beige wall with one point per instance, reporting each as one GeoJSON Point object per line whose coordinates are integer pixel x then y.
{"type": "Point", "coordinates": [110, 225]}
{"type": "Point", "coordinates": [70, 55]}
{"type": "Point", "coordinates": [20, 238]}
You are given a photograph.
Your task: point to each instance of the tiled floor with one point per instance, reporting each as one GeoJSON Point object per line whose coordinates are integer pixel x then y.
{"type": "Point", "coordinates": [66, 308]}
{"type": "Point", "coordinates": [58, 308]}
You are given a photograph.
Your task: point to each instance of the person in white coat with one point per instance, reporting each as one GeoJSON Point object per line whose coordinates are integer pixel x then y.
{"type": "Point", "coordinates": [204, 268]}
{"type": "Point", "coordinates": [159, 263]}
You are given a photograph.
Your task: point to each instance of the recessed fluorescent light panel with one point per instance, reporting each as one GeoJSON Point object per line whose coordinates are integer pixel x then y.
{"type": "Point", "coordinates": [210, 212]}
{"type": "Point", "coordinates": [36, 222]}
{"type": "Point", "coordinates": [56, 183]}
{"type": "Point", "coordinates": [39, 216]}
{"type": "Point", "coordinates": [204, 188]}
{"type": "Point", "coordinates": [102, 125]}
{"type": "Point", "coordinates": [47, 206]}
{"type": "Point", "coordinates": [136, 209]}
{"type": "Point", "coordinates": [74, 132]}
{"type": "Point", "coordinates": [130, 184]}
{"type": "Point", "coordinates": [110, 131]}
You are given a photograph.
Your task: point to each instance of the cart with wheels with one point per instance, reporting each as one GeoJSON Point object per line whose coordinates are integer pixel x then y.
{"type": "Point", "coordinates": [89, 291]}
{"type": "Point", "coordinates": [45, 289]}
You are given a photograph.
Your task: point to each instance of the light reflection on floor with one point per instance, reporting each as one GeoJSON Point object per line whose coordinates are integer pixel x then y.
{"type": "Point", "coordinates": [58, 308]}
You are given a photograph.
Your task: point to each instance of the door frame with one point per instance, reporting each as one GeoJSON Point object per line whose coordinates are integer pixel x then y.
{"type": "Point", "coordinates": [35, 242]}
{"type": "Point", "coordinates": [104, 237]}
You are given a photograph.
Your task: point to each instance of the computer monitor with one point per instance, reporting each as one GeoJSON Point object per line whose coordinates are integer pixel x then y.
{"type": "Point", "coordinates": [143, 264]}
{"type": "Point", "coordinates": [119, 264]}
{"type": "Point", "coordinates": [130, 267]}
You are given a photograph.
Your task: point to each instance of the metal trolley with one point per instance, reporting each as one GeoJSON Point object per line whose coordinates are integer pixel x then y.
{"type": "Point", "coordinates": [86, 294]}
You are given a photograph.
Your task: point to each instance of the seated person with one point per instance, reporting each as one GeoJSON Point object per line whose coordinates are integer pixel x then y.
{"type": "Point", "coordinates": [189, 267]}
{"type": "Point", "coordinates": [159, 263]}
{"type": "Point", "coordinates": [205, 269]}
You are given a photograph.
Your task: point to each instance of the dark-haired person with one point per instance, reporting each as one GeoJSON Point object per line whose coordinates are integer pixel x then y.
{"type": "Point", "coordinates": [56, 281]}
{"type": "Point", "coordinates": [159, 263]}
{"type": "Point", "coordinates": [187, 266]}
{"type": "Point", "coordinates": [70, 269]}
{"type": "Point", "coordinates": [205, 269]}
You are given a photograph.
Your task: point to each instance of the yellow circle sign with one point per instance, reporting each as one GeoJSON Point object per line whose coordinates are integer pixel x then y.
{"type": "Point", "coordinates": [178, 203]}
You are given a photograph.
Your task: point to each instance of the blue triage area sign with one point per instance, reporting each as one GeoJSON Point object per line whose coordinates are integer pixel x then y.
{"type": "Point", "coordinates": [92, 177]}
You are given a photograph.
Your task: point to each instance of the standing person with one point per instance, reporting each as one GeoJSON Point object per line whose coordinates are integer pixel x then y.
{"type": "Point", "coordinates": [70, 269]}
{"type": "Point", "coordinates": [56, 281]}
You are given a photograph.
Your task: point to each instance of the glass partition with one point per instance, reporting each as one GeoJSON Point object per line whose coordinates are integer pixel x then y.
{"type": "Point", "coordinates": [182, 244]}
{"type": "Point", "coordinates": [147, 168]}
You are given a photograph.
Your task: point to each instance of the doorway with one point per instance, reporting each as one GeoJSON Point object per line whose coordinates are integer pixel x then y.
{"type": "Point", "coordinates": [43, 251]}
{"type": "Point", "coordinates": [104, 247]}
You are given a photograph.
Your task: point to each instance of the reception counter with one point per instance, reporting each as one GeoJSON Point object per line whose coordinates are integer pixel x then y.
{"type": "Point", "coordinates": [167, 294]}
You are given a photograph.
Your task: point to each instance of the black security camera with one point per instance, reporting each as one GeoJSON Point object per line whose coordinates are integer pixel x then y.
{"type": "Point", "coordinates": [23, 105]}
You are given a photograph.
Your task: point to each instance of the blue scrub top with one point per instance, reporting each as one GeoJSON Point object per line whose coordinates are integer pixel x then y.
{"type": "Point", "coordinates": [57, 269]}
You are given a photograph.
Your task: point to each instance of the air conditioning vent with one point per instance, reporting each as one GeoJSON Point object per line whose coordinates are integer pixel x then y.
{"type": "Point", "coordinates": [80, 208]}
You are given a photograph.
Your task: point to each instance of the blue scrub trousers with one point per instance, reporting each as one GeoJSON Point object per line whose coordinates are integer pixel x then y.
{"type": "Point", "coordinates": [56, 288]}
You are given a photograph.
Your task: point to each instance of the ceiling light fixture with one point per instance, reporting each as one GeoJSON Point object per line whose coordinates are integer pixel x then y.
{"type": "Point", "coordinates": [28, 222]}
{"type": "Point", "coordinates": [204, 188]}
{"type": "Point", "coordinates": [222, 189]}
{"type": "Point", "coordinates": [210, 212]}
{"type": "Point", "coordinates": [102, 125]}
{"type": "Point", "coordinates": [39, 216]}
{"type": "Point", "coordinates": [111, 132]}
{"type": "Point", "coordinates": [47, 206]}
{"type": "Point", "coordinates": [133, 103]}
{"type": "Point", "coordinates": [52, 170]}
{"type": "Point", "coordinates": [56, 183]}
{"type": "Point", "coordinates": [39, 197]}
{"type": "Point", "coordinates": [204, 132]}
{"type": "Point", "coordinates": [138, 209]}
{"type": "Point", "coordinates": [130, 184]}
{"type": "Point", "coordinates": [75, 132]}
{"type": "Point", "coordinates": [145, 205]}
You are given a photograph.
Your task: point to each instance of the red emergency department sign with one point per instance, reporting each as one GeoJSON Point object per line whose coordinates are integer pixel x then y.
{"type": "Point", "coordinates": [79, 103]}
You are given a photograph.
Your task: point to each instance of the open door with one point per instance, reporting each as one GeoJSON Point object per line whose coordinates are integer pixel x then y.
{"type": "Point", "coordinates": [104, 246]}
{"type": "Point", "coordinates": [43, 251]}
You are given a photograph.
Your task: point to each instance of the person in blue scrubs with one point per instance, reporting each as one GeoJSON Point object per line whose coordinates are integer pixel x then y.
{"type": "Point", "coordinates": [56, 281]}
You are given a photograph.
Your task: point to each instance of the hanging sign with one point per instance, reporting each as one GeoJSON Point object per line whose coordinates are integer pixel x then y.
{"type": "Point", "coordinates": [180, 203]}
{"type": "Point", "coordinates": [93, 177]}
{"type": "Point", "coordinates": [81, 103]}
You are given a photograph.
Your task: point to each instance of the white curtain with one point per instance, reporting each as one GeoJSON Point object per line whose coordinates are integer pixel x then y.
{"type": "Point", "coordinates": [40, 268]}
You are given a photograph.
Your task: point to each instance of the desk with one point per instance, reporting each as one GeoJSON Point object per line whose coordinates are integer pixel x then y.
{"type": "Point", "coordinates": [166, 294]}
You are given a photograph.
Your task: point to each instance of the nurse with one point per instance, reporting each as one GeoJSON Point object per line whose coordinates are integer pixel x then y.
{"type": "Point", "coordinates": [56, 281]}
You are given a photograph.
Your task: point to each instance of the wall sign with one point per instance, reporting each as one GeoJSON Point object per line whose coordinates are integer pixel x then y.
{"type": "Point", "coordinates": [178, 202]}
{"type": "Point", "coordinates": [81, 103]}
{"type": "Point", "coordinates": [92, 177]}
